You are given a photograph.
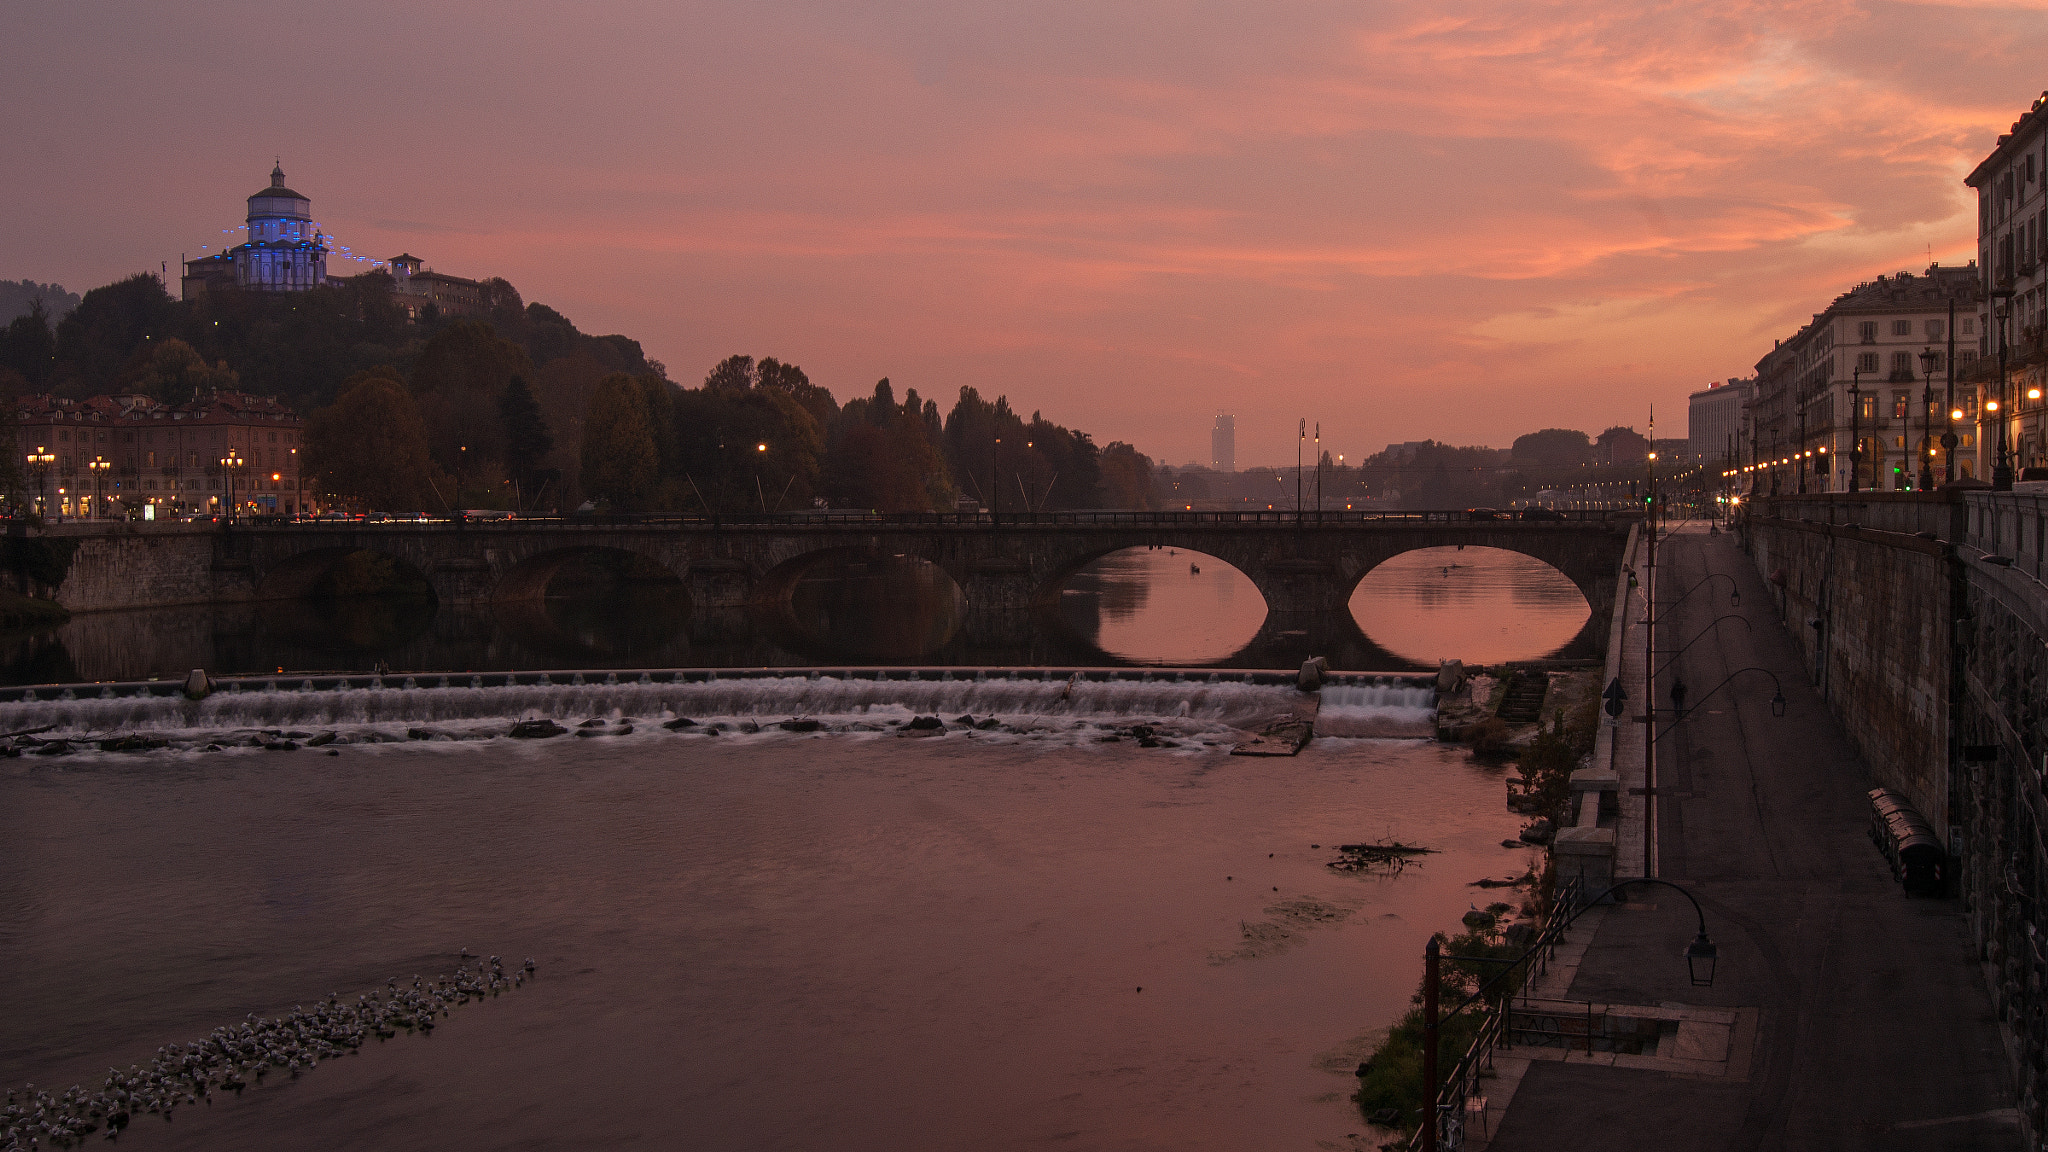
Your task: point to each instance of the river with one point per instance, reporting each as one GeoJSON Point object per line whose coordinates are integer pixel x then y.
{"type": "Point", "coordinates": [1009, 934]}
{"type": "Point", "coordinates": [850, 939]}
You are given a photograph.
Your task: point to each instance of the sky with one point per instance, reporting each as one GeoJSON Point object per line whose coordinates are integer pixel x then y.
{"type": "Point", "coordinates": [1399, 220]}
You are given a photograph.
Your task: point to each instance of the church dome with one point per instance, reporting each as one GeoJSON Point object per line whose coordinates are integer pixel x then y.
{"type": "Point", "coordinates": [278, 200]}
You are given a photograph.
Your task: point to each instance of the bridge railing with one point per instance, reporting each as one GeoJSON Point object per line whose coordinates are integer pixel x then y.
{"type": "Point", "coordinates": [1073, 519]}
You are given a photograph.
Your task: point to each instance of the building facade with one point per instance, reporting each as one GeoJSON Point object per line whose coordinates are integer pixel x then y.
{"type": "Point", "coordinates": [114, 456]}
{"type": "Point", "coordinates": [1713, 422]}
{"type": "Point", "coordinates": [1871, 372]}
{"type": "Point", "coordinates": [284, 250]}
{"type": "Point", "coordinates": [415, 288]}
{"type": "Point", "coordinates": [2012, 239]}
{"type": "Point", "coordinates": [1223, 444]}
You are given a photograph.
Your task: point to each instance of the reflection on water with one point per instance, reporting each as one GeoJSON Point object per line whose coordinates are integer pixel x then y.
{"type": "Point", "coordinates": [1139, 606]}
{"type": "Point", "coordinates": [1479, 605]}
{"type": "Point", "coordinates": [1163, 606]}
{"type": "Point", "coordinates": [876, 609]}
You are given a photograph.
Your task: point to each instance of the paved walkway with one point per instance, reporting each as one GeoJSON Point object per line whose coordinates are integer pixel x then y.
{"type": "Point", "coordinates": [1872, 1028]}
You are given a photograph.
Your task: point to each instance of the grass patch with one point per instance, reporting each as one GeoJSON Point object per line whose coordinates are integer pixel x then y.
{"type": "Point", "coordinates": [1394, 1074]}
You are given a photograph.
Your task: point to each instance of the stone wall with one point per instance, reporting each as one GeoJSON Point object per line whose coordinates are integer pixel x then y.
{"type": "Point", "coordinates": [1871, 610]}
{"type": "Point", "coordinates": [144, 566]}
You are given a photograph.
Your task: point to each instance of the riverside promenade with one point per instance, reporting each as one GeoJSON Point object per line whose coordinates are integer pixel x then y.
{"type": "Point", "coordinates": [1857, 1018]}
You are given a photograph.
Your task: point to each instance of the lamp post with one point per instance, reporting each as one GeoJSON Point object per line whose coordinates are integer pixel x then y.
{"type": "Point", "coordinates": [1800, 458]}
{"type": "Point", "coordinates": [1701, 958]}
{"type": "Point", "coordinates": [1948, 432]}
{"type": "Point", "coordinates": [1855, 428]}
{"type": "Point", "coordinates": [1906, 435]}
{"type": "Point", "coordinates": [39, 461]}
{"type": "Point", "coordinates": [228, 466]}
{"type": "Point", "coordinates": [99, 466]}
{"type": "Point", "coordinates": [2001, 466]}
{"type": "Point", "coordinates": [1928, 357]}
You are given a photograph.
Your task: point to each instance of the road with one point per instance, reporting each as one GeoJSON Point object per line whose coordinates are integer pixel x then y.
{"type": "Point", "coordinates": [1874, 1030]}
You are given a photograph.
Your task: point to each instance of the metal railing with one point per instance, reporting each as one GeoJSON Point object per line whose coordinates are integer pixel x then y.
{"type": "Point", "coordinates": [1495, 1030]}
{"type": "Point", "coordinates": [1308, 518]}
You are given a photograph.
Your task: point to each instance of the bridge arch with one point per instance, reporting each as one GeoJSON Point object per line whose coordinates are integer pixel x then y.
{"type": "Point", "coordinates": [916, 608]}
{"type": "Point", "coordinates": [1479, 603]}
{"type": "Point", "coordinates": [1192, 586]}
{"type": "Point", "coordinates": [302, 574]}
{"type": "Point", "coordinates": [532, 576]}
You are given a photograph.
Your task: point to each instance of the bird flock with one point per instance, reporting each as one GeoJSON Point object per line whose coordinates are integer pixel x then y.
{"type": "Point", "coordinates": [231, 1058]}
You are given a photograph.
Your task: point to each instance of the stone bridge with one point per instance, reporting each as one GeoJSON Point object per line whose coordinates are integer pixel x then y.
{"type": "Point", "coordinates": [1008, 574]}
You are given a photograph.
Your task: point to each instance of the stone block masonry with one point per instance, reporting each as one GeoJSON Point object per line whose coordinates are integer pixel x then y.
{"type": "Point", "coordinates": [1871, 610]}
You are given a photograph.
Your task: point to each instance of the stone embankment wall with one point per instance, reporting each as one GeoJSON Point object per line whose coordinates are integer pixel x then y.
{"type": "Point", "coordinates": [1932, 646]}
{"type": "Point", "coordinates": [144, 566]}
{"type": "Point", "coordinates": [1871, 609]}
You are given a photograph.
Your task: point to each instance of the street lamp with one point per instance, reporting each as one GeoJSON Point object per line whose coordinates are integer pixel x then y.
{"type": "Point", "coordinates": [99, 466]}
{"type": "Point", "coordinates": [1928, 357]}
{"type": "Point", "coordinates": [1855, 428]}
{"type": "Point", "coordinates": [39, 461]}
{"type": "Point", "coordinates": [1701, 957]}
{"type": "Point", "coordinates": [2001, 467]}
{"type": "Point", "coordinates": [229, 464]}
{"type": "Point", "coordinates": [1905, 436]}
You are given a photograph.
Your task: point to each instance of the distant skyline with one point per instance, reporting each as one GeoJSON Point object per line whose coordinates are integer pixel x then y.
{"type": "Point", "coordinates": [1459, 222]}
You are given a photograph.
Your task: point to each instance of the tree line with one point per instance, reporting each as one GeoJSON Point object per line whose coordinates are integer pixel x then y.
{"type": "Point", "coordinates": [518, 408]}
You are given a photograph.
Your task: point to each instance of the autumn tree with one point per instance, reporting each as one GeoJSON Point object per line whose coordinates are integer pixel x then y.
{"type": "Point", "coordinates": [370, 446]}
{"type": "Point", "coordinates": [527, 442]}
{"type": "Point", "coordinates": [620, 462]}
{"type": "Point", "coordinates": [1126, 477]}
{"type": "Point", "coordinates": [28, 346]}
{"type": "Point", "coordinates": [461, 373]}
{"type": "Point", "coordinates": [176, 373]}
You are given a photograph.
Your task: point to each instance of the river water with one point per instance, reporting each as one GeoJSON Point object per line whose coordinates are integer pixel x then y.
{"type": "Point", "coordinates": [1161, 607]}
{"type": "Point", "coordinates": [848, 939]}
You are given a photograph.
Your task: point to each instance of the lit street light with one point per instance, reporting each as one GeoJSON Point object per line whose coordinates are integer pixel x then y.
{"type": "Point", "coordinates": [99, 466]}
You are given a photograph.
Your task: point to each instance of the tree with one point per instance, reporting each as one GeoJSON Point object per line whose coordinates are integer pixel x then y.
{"type": "Point", "coordinates": [95, 342]}
{"type": "Point", "coordinates": [370, 446]}
{"type": "Point", "coordinates": [461, 373]}
{"type": "Point", "coordinates": [1126, 477]}
{"type": "Point", "coordinates": [619, 457]}
{"type": "Point", "coordinates": [176, 373]}
{"type": "Point", "coordinates": [527, 441]}
{"type": "Point", "coordinates": [1555, 447]}
{"type": "Point", "coordinates": [28, 346]}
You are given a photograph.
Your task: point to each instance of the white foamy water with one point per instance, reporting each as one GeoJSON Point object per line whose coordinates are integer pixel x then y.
{"type": "Point", "coordinates": [246, 711]}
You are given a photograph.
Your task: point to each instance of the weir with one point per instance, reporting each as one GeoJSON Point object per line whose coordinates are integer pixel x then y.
{"type": "Point", "coordinates": [1198, 696]}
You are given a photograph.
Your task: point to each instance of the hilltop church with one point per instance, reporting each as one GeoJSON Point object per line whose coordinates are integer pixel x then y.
{"type": "Point", "coordinates": [286, 252]}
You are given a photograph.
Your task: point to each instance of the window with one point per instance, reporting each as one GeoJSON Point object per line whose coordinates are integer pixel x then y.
{"type": "Point", "coordinates": [1902, 327]}
{"type": "Point", "coordinates": [1867, 362]}
{"type": "Point", "coordinates": [151, 458]}
{"type": "Point", "coordinates": [1867, 331]}
{"type": "Point", "coordinates": [1933, 329]}
{"type": "Point", "coordinates": [64, 434]}
{"type": "Point", "coordinates": [1902, 362]}
{"type": "Point", "coordinates": [1869, 407]}
{"type": "Point", "coordinates": [1969, 325]}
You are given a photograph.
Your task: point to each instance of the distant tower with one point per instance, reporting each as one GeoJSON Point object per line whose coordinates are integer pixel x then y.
{"type": "Point", "coordinates": [1223, 444]}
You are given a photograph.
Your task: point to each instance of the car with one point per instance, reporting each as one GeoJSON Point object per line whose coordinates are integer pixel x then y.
{"type": "Point", "coordinates": [1482, 514]}
{"type": "Point", "coordinates": [1535, 513]}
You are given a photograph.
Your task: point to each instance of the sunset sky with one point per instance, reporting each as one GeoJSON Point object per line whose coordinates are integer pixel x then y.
{"type": "Point", "coordinates": [1403, 220]}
